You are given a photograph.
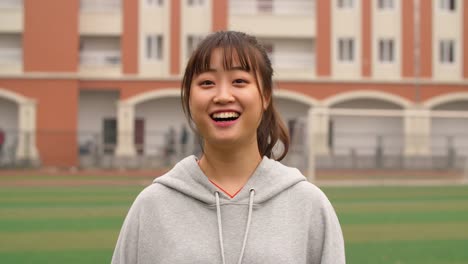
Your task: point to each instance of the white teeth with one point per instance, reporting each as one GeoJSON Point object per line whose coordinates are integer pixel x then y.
{"type": "Point", "coordinates": [226, 115]}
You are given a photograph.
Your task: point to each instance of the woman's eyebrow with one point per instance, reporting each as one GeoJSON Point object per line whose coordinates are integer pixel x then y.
{"type": "Point", "coordinates": [236, 68]}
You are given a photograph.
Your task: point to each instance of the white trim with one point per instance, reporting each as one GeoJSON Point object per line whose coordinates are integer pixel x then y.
{"type": "Point", "coordinates": [297, 97]}
{"type": "Point", "coordinates": [366, 112]}
{"type": "Point", "coordinates": [27, 113]}
{"type": "Point", "coordinates": [367, 94]}
{"type": "Point", "coordinates": [14, 97]}
{"type": "Point", "coordinates": [161, 93]}
{"type": "Point", "coordinates": [446, 98]}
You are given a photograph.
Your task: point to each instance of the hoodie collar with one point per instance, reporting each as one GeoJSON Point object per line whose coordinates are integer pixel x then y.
{"type": "Point", "coordinates": [268, 180]}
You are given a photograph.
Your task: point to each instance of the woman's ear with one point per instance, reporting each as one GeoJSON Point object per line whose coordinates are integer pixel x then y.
{"type": "Point", "coordinates": [266, 101]}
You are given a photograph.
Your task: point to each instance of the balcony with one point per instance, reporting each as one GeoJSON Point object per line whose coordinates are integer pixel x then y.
{"type": "Point", "coordinates": [11, 16]}
{"type": "Point", "coordinates": [11, 60]}
{"type": "Point", "coordinates": [100, 56]}
{"type": "Point", "coordinates": [277, 7]}
{"type": "Point", "coordinates": [101, 17]}
{"type": "Point", "coordinates": [292, 61]}
{"type": "Point", "coordinates": [100, 63]}
{"type": "Point", "coordinates": [293, 65]}
{"type": "Point", "coordinates": [279, 18]}
{"type": "Point", "coordinates": [100, 5]}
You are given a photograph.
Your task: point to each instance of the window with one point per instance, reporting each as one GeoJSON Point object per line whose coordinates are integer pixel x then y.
{"type": "Point", "coordinates": [447, 51]}
{"type": "Point", "coordinates": [154, 47]}
{"type": "Point", "coordinates": [192, 43]}
{"type": "Point", "coordinates": [270, 50]}
{"type": "Point", "coordinates": [447, 5]}
{"type": "Point", "coordinates": [109, 135]}
{"type": "Point", "coordinates": [386, 50]}
{"type": "Point", "coordinates": [195, 2]}
{"type": "Point", "coordinates": [345, 4]}
{"type": "Point", "coordinates": [385, 4]}
{"type": "Point", "coordinates": [346, 49]}
{"type": "Point", "coordinates": [265, 6]}
{"type": "Point", "coordinates": [155, 2]}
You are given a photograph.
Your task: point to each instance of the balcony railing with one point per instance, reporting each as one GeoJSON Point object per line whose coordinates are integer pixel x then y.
{"type": "Point", "coordinates": [10, 56]}
{"type": "Point", "coordinates": [275, 7]}
{"type": "Point", "coordinates": [292, 61]}
{"type": "Point", "coordinates": [11, 4]}
{"type": "Point", "coordinates": [100, 5]}
{"type": "Point", "coordinates": [100, 58]}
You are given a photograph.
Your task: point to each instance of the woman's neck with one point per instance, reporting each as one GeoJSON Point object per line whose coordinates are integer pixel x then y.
{"type": "Point", "coordinates": [230, 168]}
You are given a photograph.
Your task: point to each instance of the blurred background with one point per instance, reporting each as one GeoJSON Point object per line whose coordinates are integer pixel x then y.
{"type": "Point", "coordinates": [374, 93]}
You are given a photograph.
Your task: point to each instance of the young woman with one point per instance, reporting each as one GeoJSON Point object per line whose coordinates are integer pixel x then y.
{"type": "Point", "coordinates": [235, 203]}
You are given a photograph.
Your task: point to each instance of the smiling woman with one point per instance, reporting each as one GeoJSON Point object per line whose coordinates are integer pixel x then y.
{"type": "Point", "coordinates": [236, 203]}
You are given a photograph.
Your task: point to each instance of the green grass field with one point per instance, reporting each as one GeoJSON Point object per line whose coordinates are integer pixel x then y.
{"type": "Point", "coordinates": [80, 224]}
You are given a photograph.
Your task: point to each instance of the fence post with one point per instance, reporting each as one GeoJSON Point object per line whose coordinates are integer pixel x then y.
{"type": "Point", "coordinates": [311, 146]}
{"type": "Point", "coordinates": [379, 153]}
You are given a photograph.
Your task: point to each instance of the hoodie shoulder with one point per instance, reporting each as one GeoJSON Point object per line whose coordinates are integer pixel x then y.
{"type": "Point", "coordinates": [310, 191]}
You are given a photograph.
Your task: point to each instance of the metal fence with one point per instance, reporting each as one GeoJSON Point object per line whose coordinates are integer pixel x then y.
{"type": "Point", "coordinates": [162, 149]}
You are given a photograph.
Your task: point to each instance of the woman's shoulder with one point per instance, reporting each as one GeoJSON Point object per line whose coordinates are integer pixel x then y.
{"type": "Point", "coordinates": [152, 194]}
{"type": "Point", "coordinates": [308, 191]}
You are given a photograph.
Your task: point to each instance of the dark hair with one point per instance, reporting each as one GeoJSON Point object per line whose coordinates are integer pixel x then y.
{"type": "Point", "coordinates": [251, 56]}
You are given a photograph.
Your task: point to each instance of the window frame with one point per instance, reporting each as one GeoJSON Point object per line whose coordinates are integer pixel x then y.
{"type": "Point", "coordinates": [447, 52]}
{"type": "Point", "coordinates": [386, 50]}
{"type": "Point", "coordinates": [154, 3]}
{"type": "Point", "coordinates": [194, 3]}
{"type": "Point", "coordinates": [154, 47]}
{"type": "Point", "coordinates": [345, 4]}
{"type": "Point", "coordinates": [449, 6]}
{"type": "Point", "coordinates": [346, 52]}
{"type": "Point", "coordinates": [192, 43]}
{"type": "Point", "coordinates": [385, 5]}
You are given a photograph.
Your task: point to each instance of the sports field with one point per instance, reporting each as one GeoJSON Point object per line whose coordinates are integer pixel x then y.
{"type": "Point", "coordinates": [57, 219]}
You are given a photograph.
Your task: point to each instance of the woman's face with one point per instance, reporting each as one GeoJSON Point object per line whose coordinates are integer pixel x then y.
{"type": "Point", "coordinates": [226, 105]}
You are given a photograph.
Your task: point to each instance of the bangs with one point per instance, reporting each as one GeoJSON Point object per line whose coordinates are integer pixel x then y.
{"type": "Point", "coordinates": [236, 52]}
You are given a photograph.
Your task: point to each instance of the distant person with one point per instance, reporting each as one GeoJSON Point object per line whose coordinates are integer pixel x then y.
{"type": "Point", "coordinates": [2, 141]}
{"type": "Point", "coordinates": [184, 137]}
{"type": "Point", "coordinates": [235, 203]}
{"type": "Point", "coordinates": [169, 148]}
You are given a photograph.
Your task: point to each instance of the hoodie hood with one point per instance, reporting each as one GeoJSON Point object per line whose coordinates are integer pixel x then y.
{"type": "Point", "coordinates": [269, 179]}
{"type": "Point", "coordinates": [277, 217]}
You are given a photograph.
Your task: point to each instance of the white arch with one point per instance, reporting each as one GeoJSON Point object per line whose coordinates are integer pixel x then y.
{"type": "Point", "coordinates": [341, 97]}
{"type": "Point", "coordinates": [160, 93]}
{"type": "Point", "coordinates": [26, 145]}
{"type": "Point", "coordinates": [126, 114]}
{"type": "Point", "coordinates": [15, 97]}
{"type": "Point", "coordinates": [446, 98]}
{"type": "Point", "coordinates": [295, 96]}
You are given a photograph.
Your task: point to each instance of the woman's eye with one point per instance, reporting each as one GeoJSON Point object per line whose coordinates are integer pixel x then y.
{"type": "Point", "coordinates": [206, 83]}
{"type": "Point", "coordinates": [239, 81]}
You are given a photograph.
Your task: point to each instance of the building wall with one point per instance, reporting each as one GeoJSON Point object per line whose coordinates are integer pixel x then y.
{"type": "Point", "coordinates": [50, 71]}
{"type": "Point", "coordinates": [57, 100]}
{"type": "Point", "coordinates": [50, 39]}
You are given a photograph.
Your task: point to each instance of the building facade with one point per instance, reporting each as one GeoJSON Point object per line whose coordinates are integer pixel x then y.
{"type": "Point", "coordinates": [83, 82]}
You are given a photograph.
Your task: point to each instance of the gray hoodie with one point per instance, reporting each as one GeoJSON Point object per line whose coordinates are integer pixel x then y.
{"type": "Point", "coordinates": [277, 217]}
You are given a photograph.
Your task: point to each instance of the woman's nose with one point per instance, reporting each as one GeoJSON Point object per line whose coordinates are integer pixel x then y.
{"type": "Point", "coordinates": [223, 95]}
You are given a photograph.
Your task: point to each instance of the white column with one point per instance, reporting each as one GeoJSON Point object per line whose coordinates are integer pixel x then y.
{"type": "Point", "coordinates": [311, 145]}
{"type": "Point", "coordinates": [319, 117]}
{"type": "Point", "coordinates": [125, 127]}
{"type": "Point", "coordinates": [417, 132]}
{"type": "Point", "coordinates": [26, 148]}
{"type": "Point", "coordinates": [317, 133]}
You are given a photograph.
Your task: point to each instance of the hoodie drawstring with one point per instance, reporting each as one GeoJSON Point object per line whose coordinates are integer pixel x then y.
{"type": "Point", "coordinates": [220, 227]}
{"type": "Point", "coordinates": [247, 228]}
